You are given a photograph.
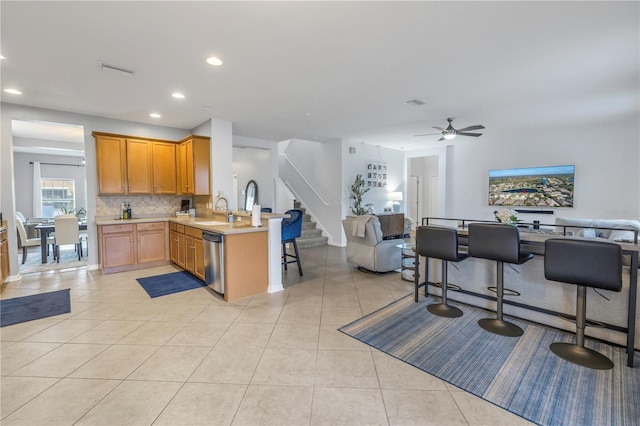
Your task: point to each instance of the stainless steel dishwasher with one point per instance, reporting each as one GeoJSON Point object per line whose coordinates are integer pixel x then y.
{"type": "Point", "coordinates": [214, 260]}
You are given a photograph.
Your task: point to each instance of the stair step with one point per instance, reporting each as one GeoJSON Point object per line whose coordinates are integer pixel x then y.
{"type": "Point", "coordinates": [311, 233]}
{"type": "Point", "coordinates": [308, 225]}
{"type": "Point", "coordinates": [311, 242]}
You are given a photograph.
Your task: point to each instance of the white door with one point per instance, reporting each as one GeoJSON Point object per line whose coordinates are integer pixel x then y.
{"type": "Point", "coordinates": [433, 196]}
{"type": "Point", "coordinates": [415, 201]}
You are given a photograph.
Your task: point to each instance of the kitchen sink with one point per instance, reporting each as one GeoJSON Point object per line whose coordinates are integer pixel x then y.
{"type": "Point", "coordinates": [212, 223]}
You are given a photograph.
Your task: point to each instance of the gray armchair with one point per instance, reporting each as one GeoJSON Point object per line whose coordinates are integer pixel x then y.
{"type": "Point", "coordinates": [370, 251]}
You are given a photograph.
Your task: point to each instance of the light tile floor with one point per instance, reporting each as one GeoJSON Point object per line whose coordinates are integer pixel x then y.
{"type": "Point", "coordinates": [189, 358]}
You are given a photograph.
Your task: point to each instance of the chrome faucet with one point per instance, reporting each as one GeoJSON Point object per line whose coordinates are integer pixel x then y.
{"type": "Point", "coordinates": [226, 203]}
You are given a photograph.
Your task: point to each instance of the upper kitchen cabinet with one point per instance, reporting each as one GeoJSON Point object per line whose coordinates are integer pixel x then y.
{"type": "Point", "coordinates": [136, 166]}
{"type": "Point", "coordinates": [111, 160]}
{"type": "Point", "coordinates": [139, 166]}
{"type": "Point", "coordinates": [194, 165]}
{"type": "Point", "coordinates": [164, 168]}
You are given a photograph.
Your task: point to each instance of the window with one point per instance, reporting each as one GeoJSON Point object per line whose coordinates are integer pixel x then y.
{"type": "Point", "coordinates": [58, 195]}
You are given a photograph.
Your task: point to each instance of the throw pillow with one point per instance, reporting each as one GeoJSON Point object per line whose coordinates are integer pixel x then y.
{"type": "Point", "coordinates": [586, 233]}
{"type": "Point", "coordinates": [622, 235]}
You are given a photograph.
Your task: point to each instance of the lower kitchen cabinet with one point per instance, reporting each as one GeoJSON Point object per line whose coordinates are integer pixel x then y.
{"type": "Point", "coordinates": [132, 246]}
{"type": "Point", "coordinates": [4, 255]}
{"type": "Point", "coordinates": [186, 248]}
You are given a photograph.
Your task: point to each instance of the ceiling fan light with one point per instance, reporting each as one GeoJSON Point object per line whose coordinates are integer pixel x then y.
{"type": "Point", "coordinates": [449, 136]}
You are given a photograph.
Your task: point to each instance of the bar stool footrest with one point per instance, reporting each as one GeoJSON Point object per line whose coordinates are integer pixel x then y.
{"type": "Point", "coordinates": [506, 291]}
{"type": "Point", "coordinates": [450, 286]}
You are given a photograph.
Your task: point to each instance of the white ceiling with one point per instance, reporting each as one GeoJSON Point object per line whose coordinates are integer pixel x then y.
{"type": "Point", "coordinates": [324, 70]}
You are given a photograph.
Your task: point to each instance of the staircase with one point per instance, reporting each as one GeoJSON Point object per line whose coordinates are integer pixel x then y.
{"type": "Point", "coordinates": [311, 236]}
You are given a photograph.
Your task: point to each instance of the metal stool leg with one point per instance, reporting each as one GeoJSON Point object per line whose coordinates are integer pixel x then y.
{"type": "Point", "coordinates": [284, 255]}
{"type": "Point", "coordinates": [443, 309]}
{"type": "Point", "coordinates": [498, 325]}
{"type": "Point", "coordinates": [577, 353]}
{"type": "Point", "coordinates": [295, 248]}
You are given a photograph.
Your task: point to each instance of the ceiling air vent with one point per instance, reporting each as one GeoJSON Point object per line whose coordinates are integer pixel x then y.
{"type": "Point", "coordinates": [414, 102]}
{"type": "Point", "coordinates": [116, 68]}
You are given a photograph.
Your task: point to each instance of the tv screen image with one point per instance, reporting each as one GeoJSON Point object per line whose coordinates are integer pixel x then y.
{"type": "Point", "coordinates": [550, 186]}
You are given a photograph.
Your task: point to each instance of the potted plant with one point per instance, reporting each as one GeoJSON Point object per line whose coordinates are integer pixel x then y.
{"type": "Point", "coordinates": [78, 211]}
{"type": "Point", "coordinates": [357, 191]}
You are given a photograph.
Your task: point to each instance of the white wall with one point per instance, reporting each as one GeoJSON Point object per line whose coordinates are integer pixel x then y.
{"type": "Point", "coordinates": [356, 163]}
{"type": "Point", "coordinates": [606, 158]}
{"type": "Point", "coordinates": [256, 159]}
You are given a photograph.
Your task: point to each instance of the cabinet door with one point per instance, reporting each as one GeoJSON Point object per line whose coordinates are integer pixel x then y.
{"type": "Point", "coordinates": [185, 161]}
{"type": "Point", "coordinates": [4, 259]}
{"type": "Point", "coordinates": [201, 165]}
{"type": "Point", "coordinates": [111, 163]}
{"type": "Point", "coordinates": [151, 246]}
{"type": "Point", "coordinates": [164, 168]}
{"type": "Point", "coordinates": [198, 250]}
{"type": "Point", "coordinates": [173, 246]}
{"type": "Point", "coordinates": [117, 250]}
{"type": "Point", "coordinates": [139, 166]}
{"type": "Point", "coordinates": [182, 250]}
{"type": "Point", "coordinates": [190, 258]}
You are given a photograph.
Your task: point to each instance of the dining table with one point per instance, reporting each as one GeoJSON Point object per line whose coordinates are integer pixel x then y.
{"type": "Point", "coordinates": [47, 228]}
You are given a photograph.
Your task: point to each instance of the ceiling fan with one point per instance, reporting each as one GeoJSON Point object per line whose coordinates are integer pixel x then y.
{"type": "Point", "coordinates": [450, 132]}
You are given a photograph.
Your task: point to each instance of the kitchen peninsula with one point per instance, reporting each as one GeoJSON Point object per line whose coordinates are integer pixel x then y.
{"type": "Point", "coordinates": [250, 258]}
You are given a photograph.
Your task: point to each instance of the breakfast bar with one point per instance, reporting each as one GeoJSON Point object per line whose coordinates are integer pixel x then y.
{"type": "Point", "coordinates": [540, 300]}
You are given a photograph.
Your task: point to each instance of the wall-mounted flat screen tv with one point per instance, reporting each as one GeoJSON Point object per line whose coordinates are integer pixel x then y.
{"type": "Point", "coordinates": [550, 186]}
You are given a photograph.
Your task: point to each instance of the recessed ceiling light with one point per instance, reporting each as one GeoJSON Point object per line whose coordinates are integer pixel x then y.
{"type": "Point", "coordinates": [13, 91]}
{"type": "Point", "coordinates": [155, 115]}
{"type": "Point", "coordinates": [214, 61]}
{"type": "Point", "coordinates": [178, 95]}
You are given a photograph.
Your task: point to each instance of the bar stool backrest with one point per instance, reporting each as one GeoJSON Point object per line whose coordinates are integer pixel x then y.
{"type": "Point", "coordinates": [587, 263]}
{"type": "Point", "coordinates": [437, 242]}
{"type": "Point", "coordinates": [494, 241]}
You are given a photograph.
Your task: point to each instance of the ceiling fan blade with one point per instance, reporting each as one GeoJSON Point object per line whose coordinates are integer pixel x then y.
{"type": "Point", "coordinates": [439, 128]}
{"type": "Point", "coordinates": [468, 134]}
{"type": "Point", "coordinates": [476, 127]}
{"type": "Point", "coordinates": [428, 134]}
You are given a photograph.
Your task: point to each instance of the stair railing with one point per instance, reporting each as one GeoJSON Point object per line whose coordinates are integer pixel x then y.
{"type": "Point", "coordinates": [304, 179]}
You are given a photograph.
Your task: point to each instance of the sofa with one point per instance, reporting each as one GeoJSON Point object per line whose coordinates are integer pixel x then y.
{"type": "Point", "coordinates": [475, 275]}
{"type": "Point", "coordinates": [370, 251]}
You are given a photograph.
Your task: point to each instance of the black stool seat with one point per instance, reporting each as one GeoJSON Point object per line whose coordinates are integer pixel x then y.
{"type": "Point", "coordinates": [437, 242]}
{"type": "Point", "coordinates": [594, 264]}
{"type": "Point", "coordinates": [499, 242]}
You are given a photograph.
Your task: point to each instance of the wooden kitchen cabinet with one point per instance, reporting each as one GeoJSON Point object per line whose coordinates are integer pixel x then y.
{"type": "Point", "coordinates": [132, 246]}
{"type": "Point", "coordinates": [186, 248]}
{"type": "Point", "coordinates": [164, 168]}
{"type": "Point", "coordinates": [151, 242]}
{"type": "Point", "coordinates": [4, 254]}
{"type": "Point", "coordinates": [135, 166]}
{"type": "Point", "coordinates": [139, 166]}
{"type": "Point", "coordinates": [111, 163]}
{"type": "Point", "coordinates": [117, 246]}
{"type": "Point", "coordinates": [194, 168]}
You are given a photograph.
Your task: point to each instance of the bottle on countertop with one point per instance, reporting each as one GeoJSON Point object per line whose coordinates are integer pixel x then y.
{"type": "Point", "coordinates": [230, 216]}
{"type": "Point", "coordinates": [123, 210]}
{"type": "Point", "coordinates": [129, 215]}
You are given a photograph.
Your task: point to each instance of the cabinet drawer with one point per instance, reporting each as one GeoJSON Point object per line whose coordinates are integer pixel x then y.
{"type": "Point", "coordinates": [193, 232]}
{"type": "Point", "coordinates": [151, 226]}
{"type": "Point", "coordinates": [179, 228]}
{"type": "Point", "coordinates": [172, 226]}
{"type": "Point", "coordinates": [111, 229]}
{"type": "Point", "coordinates": [3, 235]}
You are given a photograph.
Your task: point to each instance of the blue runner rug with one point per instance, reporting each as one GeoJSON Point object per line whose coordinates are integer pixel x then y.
{"type": "Point", "coordinates": [37, 306]}
{"type": "Point", "coordinates": [520, 375]}
{"type": "Point", "coordinates": [161, 285]}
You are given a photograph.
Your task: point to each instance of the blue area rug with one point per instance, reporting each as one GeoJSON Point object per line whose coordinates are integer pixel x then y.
{"type": "Point", "coordinates": [520, 375]}
{"type": "Point", "coordinates": [161, 285]}
{"type": "Point", "coordinates": [37, 306]}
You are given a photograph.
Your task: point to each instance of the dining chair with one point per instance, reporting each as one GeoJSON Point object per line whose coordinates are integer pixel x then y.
{"type": "Point", "coordinates": [25, 242]}
{"type": "Point", "coordinates": [66, 232]}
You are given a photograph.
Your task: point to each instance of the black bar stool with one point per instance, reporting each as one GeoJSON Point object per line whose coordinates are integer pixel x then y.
{"type": "Point", "coordinates": [499, 242]}
{"type": "Point", "coordinates": [588, 264]}
{"type": "Point", "coordinates": [439, 243]}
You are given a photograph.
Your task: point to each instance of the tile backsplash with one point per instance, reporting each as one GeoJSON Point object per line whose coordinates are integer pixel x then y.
{"type": "Point", "coordinates": [141, 205]}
